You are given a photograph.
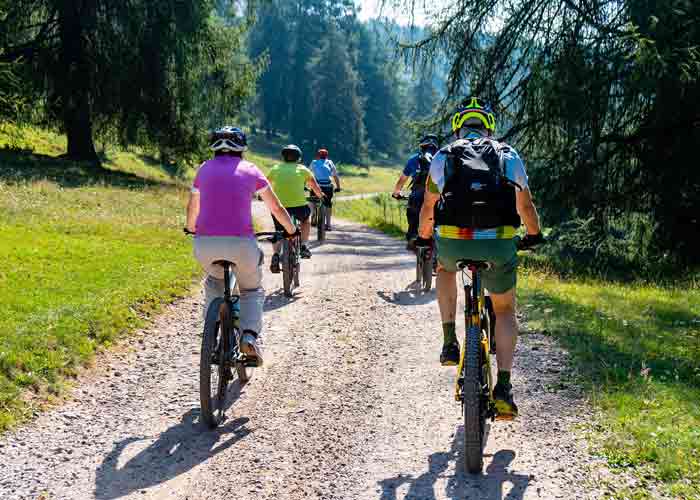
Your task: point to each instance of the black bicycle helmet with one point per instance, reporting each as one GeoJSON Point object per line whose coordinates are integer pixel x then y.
{"type": "Point", "coordinates": [430, 141]}
{"type": "Point", "coordinates": [228, 139]}
{"type": "Point", "coordinates": [291, 153]}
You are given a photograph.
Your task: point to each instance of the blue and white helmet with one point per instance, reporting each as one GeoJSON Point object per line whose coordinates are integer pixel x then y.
{"type": "Point", "coordinates": [228, 139]}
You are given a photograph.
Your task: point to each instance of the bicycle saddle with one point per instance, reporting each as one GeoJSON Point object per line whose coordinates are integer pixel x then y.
{"type": "Point", "coordinates": [223, 263]}
{"type": "Point", "coordinates": [478, 264]}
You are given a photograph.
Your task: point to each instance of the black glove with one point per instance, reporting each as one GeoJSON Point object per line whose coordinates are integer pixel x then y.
{"type": "Point", "coordinates": [187, 231]}
{"type": "Point", "coordinates": [423, 242]}
{"type": "Point", "coordinates": [289, 236]}
{"type": "Point", "coordinates": [530, 240]}
{"type": "Point", "coordinates": [338, 190]}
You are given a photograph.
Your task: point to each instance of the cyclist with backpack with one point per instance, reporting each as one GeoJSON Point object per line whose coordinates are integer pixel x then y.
{"type": "Point", "coordinates": [288, 179]}
{"type": "Point", "coordinates": [219, 213]}
{"type": "Point", "coordinates": [416, 169]}
{"type": "Point", "coordinates": [476, 197]}
{"type": "Point", "coordinates": [324, 170]}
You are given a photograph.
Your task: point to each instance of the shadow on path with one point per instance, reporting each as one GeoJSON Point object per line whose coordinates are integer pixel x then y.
{"type": "Point", "coordinates": [409, 297]}
{"type": "Point", "coordinates": [174, 452]}
{"type": "Point", "coordinates": [497, 482]}
{"type": "Point", "coordinates": [277, 300]}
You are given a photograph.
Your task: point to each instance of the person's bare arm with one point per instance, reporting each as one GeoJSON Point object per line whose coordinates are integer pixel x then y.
{"type": "Point", "coordinates": [527, 211]}
{"type": "Point", "coordinates": [400, 184]}
{"type": "Point", "coordinates": [278, 211]}
{"type": "Point", "coordinates": [311, 182]}
{"type": "Point", "coordinates": [337, 181]}
{"type": "Point", "coordinates": [427, 215]}
{"type": "Point", "coordinates": [192, 212]}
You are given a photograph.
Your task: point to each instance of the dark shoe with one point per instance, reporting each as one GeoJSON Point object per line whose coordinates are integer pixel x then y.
{"type": "Point", "coordinates": [305, 253]}
{"type": "Point", "coordinates": [275, 263]}
{"type": "Point", "coordinates": [450, 354]}
{"type": "Point", "coordinates": [506, 409]}
{"type": "Point", "coordinates": [250, 347]}
{"type": "Point", "coordinates": [328, 227]}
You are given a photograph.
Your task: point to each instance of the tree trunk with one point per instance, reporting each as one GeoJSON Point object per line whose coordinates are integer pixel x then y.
{"type": "Point", "coordinates": [75, 78]}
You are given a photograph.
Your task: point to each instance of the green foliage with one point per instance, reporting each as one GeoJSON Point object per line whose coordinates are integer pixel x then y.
{"type": "Point", "coordinates": [603, 99]}
{"type": "Point", "coordinates": [332, 81]}
{"type": "Point", "coordinates": [636, 347]}
{"type": "Point", "coordinates": [335, 117]}
{"type": "Point", "coordinates": [84, 257]}
{"type": "Point", "coordinates": [131, 72]}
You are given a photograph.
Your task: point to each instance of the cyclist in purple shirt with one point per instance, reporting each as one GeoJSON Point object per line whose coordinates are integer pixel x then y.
{"type": "Point", "coordinates": [219, 212]}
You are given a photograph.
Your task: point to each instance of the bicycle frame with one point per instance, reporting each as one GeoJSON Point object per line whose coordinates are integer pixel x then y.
{"type": "Point", "coordinates": [474, 309]}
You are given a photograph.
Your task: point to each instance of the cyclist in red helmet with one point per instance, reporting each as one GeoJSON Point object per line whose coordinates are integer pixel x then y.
{"type": "Point", "coordinates": [324, 170]}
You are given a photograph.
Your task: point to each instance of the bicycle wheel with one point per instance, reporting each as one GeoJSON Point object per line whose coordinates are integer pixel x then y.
{"type": "Point", "coordinates": [473, 404]}
{"type": "Point", "coordinates": [287, 268]}
{"type": "Point", "coordinates": [419, 266]}
{"type": "Point", "coordinates": [296, 259]}
{"type": "Point", "coordinates": [314, 213]}
{"type": "Point", "coordinates": [213, 376]}
{"type": "Point", "coordinates": [490, 317]}
{"type": "Point", "coordinates": [427, 270]}
{"type": "Point", "coordinates": [321, 222]}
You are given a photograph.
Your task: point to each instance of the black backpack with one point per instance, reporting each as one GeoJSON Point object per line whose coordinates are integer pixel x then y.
{"type": "Point", "coordinates": [421, 175]}
{"type": "Point", "coordinates": [477, 194]}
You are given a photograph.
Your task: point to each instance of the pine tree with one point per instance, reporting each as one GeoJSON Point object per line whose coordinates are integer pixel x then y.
{"type": "Point", "coordinates": [137, 67]}
{"type": "Point", "coordinates": [336, 111]}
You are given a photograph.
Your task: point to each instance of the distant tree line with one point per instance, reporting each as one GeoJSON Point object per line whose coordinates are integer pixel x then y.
{"type": "Point", "coordinates": [603, 99]}
{"type": "Point", "coordinates": [334, 81]}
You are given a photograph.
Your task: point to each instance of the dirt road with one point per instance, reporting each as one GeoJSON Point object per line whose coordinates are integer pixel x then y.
{"type": "Point", "coordinates": [352, 404]}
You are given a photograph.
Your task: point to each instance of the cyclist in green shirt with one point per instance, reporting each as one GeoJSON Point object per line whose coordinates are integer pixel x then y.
{"type": "Point", "coordinates": [288, 180]}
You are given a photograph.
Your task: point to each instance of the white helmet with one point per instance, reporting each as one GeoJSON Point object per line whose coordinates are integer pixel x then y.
{"type": "Point", "coordinates": [228, 139]}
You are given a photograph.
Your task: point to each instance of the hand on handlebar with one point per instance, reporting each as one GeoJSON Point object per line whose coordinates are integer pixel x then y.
{"type": "Point", "coordinates": [530, 241]}
{"type": "Point", "coordinates": [188, 232]}
{"type": "Point", "coordinates": [337, 190]}
{"type": "Point", "coordinates": [398, 196]}
{"type": "Point", "coordinates": [289, 236]}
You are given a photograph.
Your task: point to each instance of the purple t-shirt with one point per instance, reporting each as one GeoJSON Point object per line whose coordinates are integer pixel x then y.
{"type": "Point", "coordinates": [226, 186]}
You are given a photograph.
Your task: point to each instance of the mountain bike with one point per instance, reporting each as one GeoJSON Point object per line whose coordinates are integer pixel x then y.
{"type": "Point", "coordinates": [221, 359]}
{"type": "Point", "coordinates": [290, 261]}
{"type": "Point", "coordinates": [474, 385]}
{"type": "Point", "coordinates": [426, 260]}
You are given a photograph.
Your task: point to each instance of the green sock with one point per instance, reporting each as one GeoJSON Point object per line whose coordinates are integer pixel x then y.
{"type": "Point", "coordinates": [449, 330]}
{"type": "Point", "coordinates": [503, 377]}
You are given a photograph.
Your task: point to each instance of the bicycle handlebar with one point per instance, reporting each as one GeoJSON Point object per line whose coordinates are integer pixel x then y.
{"type": "Point", "coordinates": [399, 197]}
{"type": "Point", "coordinates": [271, 236]}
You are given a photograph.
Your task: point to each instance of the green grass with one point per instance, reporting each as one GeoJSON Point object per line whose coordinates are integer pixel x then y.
{"type": "Point", "coordinates": [86, 255]}
{"type": "Point", "coordinates": [636, 348]}
{"type": "Point", "coordinates": [382, 213]}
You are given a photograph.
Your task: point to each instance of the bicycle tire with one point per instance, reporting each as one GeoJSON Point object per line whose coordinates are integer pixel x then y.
{"type": "Point", "coordinates": [287, 268]}
{"type": "Point", "coordinates": [314, 214]}
{"type": "Point", "coordinates": [296, 260]}
{"type": "Point", "coordinates": [474, 414]}
{"type": "Point", "coordinates": [427, 274]}
{"type": "Point", "coordinates": [321, 224]}
{"type": "Point", "coordinates": [419, 266]}
{"type": "Point", "coordinates": [213, 333]}
{"type": "Point", "coordinates": [490, 316]}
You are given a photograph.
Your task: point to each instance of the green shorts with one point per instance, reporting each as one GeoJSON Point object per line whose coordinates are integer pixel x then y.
{"type": "Point", "coordinates": [502, 254]}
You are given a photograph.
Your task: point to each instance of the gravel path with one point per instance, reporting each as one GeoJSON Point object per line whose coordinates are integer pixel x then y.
{"type": "Point", "coordinates": [351, 404]}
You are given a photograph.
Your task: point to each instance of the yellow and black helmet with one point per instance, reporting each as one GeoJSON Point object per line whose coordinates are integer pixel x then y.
{"type": "Point", "coordinates": [474, 111]}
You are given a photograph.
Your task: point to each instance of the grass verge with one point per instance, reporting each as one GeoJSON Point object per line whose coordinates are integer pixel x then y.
{"type": "Point", "coordinates": [637, 350]}
{"type": "Point", "coordinates": [86, 253]}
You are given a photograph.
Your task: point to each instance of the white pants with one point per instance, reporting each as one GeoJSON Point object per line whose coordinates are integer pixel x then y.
{"type": "Point", "coordinates": [247, 259]}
